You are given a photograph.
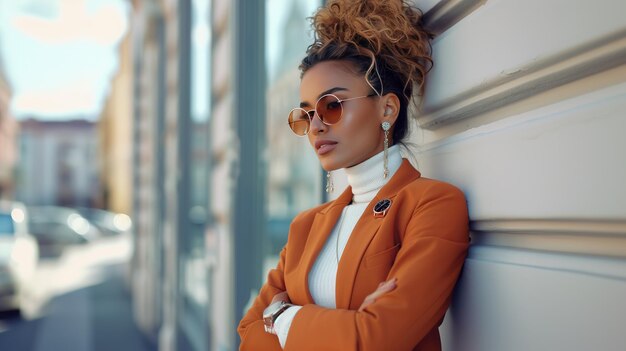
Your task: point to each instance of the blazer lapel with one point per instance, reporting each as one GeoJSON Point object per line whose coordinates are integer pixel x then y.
{"type": "Point", "coordinates": [321, 228]}
{"type": "Point", "coordinates": [363, 233]}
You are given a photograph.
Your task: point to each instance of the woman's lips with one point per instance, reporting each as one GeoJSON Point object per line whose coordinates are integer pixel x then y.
{"type": "Point", "coordinates": [325, 146]}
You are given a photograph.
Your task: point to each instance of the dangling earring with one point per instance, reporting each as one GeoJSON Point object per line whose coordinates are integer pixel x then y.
{"type": "Point", "coordinates": [386, 126]}
{"type": "Point", "coordinates": [330, 187]}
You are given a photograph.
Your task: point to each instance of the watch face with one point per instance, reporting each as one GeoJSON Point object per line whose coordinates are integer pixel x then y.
{"type": "Point", "coordinates": [272, 308]}
{"type": "Point", "coordinates": [271, 313]}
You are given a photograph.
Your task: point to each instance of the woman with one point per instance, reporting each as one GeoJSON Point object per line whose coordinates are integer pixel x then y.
{"type": "Point", "coordinates": [375, 268]}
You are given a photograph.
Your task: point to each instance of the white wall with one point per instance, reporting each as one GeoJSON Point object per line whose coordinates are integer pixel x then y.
{"type": "Point", "coordinates": [525, 111]}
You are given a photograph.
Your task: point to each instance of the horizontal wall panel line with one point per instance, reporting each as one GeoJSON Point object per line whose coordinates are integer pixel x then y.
{"type": "Point", "coordinates": [591, 237]}
{"type": "Point", "coordinates": [447, 13]}
{"type": "Point", "coordinates": [593, 265]}
{"type": "Point", "coordinates": [558, 226]}
{"type": "Point", "coordinates": [523, 82]}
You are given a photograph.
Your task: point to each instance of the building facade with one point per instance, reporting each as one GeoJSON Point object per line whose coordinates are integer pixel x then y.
{"type": "Point", "coordinates": [205, 230]}
{"type": "Point", "coordinates": [9, 151]}
{"type": "Point", "coordinates": [58, 163]}
{"type": "Point", "coordinates": [115, 129]}
{"type": "Point", "coordinates": [523, 112]}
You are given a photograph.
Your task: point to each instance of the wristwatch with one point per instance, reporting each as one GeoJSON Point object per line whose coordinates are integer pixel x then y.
{"type": "Point", "coordinates": [272, 312]}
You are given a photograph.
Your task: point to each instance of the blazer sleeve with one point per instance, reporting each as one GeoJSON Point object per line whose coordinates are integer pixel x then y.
{"type": "Point", "coordinates": [434, 247]}
{"type": "Point", "coordinates": [251, 328]}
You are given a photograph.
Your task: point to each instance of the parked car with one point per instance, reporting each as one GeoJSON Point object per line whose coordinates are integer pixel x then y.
{"type": "Point", "coordinates": [109, 223]}
{"type": "Point", "coordinates": [56, 228]}
{"type": "Point", "coordinates": [18, 255]}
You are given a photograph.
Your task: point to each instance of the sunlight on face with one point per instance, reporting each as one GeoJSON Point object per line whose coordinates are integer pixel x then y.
{"type": "Point", "coordinates": [358, 135]}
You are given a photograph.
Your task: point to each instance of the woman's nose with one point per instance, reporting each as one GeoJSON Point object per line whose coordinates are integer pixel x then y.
{"type": "Point", "coordinates": [317, 126]}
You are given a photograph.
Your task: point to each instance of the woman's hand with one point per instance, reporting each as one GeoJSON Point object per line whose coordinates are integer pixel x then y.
{"type": "Point", "coordinates": [383, 288]}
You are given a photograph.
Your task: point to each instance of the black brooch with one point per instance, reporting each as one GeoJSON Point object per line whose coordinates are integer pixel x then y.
{"type": "Point", "coordinates": [381, 208]}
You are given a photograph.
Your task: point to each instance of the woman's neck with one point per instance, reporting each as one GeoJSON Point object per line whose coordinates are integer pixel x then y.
{"type": "Point", "coordinates": [366, 178]}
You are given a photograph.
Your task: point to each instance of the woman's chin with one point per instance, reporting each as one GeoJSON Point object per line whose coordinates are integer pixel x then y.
{"type": "Point", "coordinates": [329, 165]}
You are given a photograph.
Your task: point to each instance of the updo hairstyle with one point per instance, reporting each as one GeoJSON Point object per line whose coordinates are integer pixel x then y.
{"type": "Point", "coordinates": [384, 40]}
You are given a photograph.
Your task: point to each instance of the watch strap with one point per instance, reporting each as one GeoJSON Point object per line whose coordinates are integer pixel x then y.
{"type": "Point", "coordinates": [269, 320]}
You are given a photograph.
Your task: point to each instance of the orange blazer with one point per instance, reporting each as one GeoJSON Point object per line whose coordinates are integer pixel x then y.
{"type": "Point", "coordinates": [422, 241]}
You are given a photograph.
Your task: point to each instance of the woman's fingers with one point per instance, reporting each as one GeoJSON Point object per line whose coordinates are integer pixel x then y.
{"type": "Point", "coordinates": [388, 285]}
{"type": "Point", "coordinates": [383, 288]}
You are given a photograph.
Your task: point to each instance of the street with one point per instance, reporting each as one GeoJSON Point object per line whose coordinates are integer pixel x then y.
{"type": "Point", "coordinates": [78, 301]}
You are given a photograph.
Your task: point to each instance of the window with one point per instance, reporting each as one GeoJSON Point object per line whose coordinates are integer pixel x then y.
{"type": "Point", "coordinates": [294, 180]}
{"type": "Point", "coordinates": [195, 283]}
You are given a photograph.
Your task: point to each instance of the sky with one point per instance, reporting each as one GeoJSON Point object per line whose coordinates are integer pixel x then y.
{"type": "Point", "coordinates": [280, 11]}
{"type": "Point", "coordinates": [59, 56]}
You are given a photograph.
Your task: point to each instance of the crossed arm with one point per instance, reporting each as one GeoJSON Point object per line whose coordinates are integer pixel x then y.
{"type": "Point", "coordinates": [396, 317]}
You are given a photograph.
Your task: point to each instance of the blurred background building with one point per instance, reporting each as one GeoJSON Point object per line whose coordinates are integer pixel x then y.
{"type": "Point", "coordinates": [206, 163]}
{"type": "Point", "coordinates": [9, 129]}
{"type": "Point", "coordinates": [59, 163]}
{"type": "Point", "coordinates": [523, 111]}
{"type": "Point", "coordinates": [115, 130]}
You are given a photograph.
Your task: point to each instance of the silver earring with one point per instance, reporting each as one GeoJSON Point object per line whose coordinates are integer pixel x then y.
{"type": "Point", "coordinates": [386, 126]}
{"type": "Point", "coordinates": [330, 187]}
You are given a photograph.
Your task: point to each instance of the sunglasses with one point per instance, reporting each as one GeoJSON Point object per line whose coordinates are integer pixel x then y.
{"type": "Point", "coordinates": [329, 108]}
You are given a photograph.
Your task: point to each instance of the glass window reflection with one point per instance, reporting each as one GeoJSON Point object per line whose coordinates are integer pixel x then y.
{"type": "Point", "coordinates": [294, 176]}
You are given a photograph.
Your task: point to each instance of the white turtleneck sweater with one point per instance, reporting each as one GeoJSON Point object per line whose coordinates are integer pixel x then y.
{"type": "Point", "coordinates": [366, 179]}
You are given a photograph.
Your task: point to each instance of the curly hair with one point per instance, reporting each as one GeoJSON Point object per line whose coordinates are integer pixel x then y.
{"type": "Point", "coordinates": [383, 39]}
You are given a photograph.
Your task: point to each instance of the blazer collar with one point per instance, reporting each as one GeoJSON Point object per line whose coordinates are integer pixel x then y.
{"type": "Point", "coordinates": [363, 232]}
{"type": "Point", "coordinates": [403, 176]}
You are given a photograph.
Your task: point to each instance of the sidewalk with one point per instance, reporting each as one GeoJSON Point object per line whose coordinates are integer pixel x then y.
{"type": "Point", "coordinates": [92, 318]}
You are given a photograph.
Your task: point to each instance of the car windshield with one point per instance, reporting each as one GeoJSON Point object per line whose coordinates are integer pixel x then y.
{"type": "Point", "coordinates": [6, 224]}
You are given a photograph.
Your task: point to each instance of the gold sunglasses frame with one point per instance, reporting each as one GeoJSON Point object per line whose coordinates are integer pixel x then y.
{"type": "Point", "coordinates": [308, 113]}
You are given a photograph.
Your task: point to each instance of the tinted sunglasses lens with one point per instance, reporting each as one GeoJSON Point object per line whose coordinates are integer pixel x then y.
{"type": "Point", "coordinates": [299, 121]}
{"type": "Point", "coordinates": [329, 109]}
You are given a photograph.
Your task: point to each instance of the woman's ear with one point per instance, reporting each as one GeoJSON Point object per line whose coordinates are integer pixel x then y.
{"type": "Point", "coordinates": [391, 108]}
